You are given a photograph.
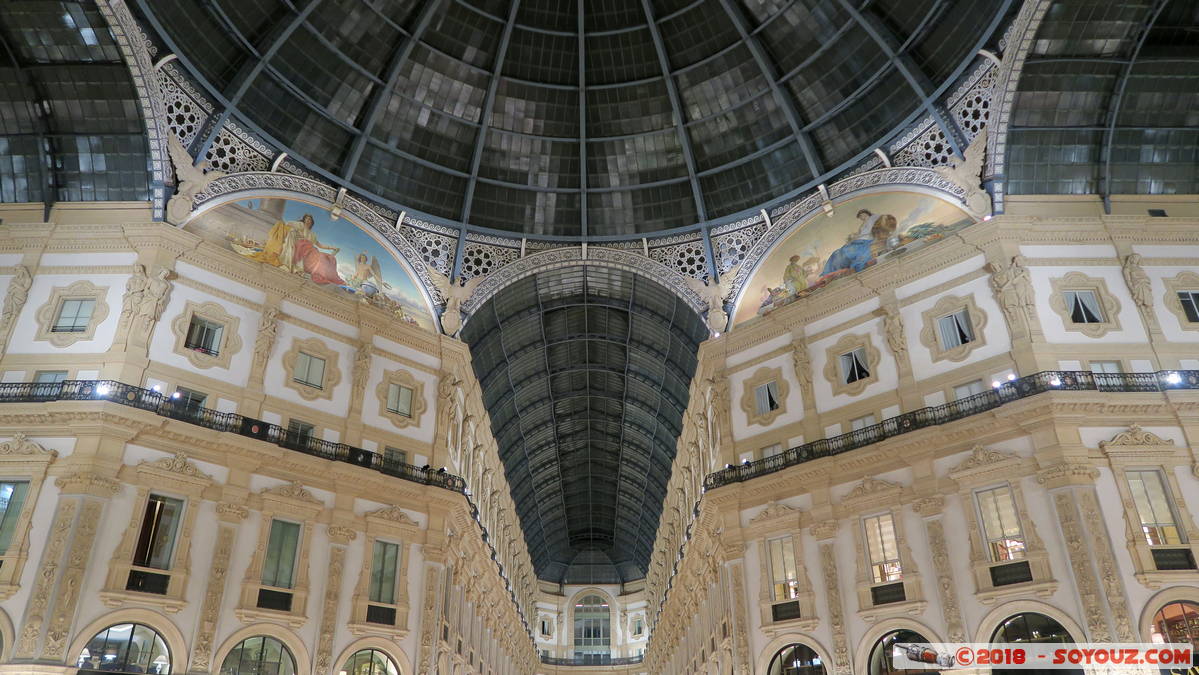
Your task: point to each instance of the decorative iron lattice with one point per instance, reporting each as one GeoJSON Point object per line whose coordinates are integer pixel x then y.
{"type": "Point", "coordinates": [234, 151]}
{"type": "Point", "coordinates": [731, 248]}
{"type": "Point", "coordinates": [186, 110]}
{"type": "Point", "coordinates": [972, 111]}
{"type": "Point", "coordinates": [929, 148]}
{"type": "Point", "coordinates": [688, 259]}
{"type": "Point", "coordinates": [481, 259]}
{"type": "Point", "coordinates": [437, 250]}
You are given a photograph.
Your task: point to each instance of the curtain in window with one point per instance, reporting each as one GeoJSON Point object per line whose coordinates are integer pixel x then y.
{"type": "Point", "coordinates": [955, 330]}
{"type": "Point", "coordinates": [1084, 307]}
{"type": "Point", "coordinates": [279, 567]}
{"type": "Point", "coordinates": [383, 572]}
{"type": "Point", "coordinates": [853, 365]}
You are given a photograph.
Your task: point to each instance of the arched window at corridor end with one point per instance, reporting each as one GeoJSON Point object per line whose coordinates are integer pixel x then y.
{"type": "Point", "coordinates": [796, 659]}
{"type": "Point", "coordinates": [259, 655]}
{"type": "Point", "coordinates": [125, 648]}
{"type": "Point", "coordinates": [593, 630]}
{"type": "Point", "coordinates": [369, 662]}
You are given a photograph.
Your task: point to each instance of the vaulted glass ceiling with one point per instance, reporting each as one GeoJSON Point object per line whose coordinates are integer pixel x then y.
{"type": "Point", "coordinates": [585, 373]}
{"type": "Point", "coordinates": [576, 117]}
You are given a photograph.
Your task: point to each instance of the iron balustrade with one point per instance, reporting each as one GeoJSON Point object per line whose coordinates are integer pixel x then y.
{"type": "Point", "coordinates": [592, 661]}
{"type": "Point", "coordinates": [174, 408]}
{"type": "Point", "coordinates": [1006, 392]}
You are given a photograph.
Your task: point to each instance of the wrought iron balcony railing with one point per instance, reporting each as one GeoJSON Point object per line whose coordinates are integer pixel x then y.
{"type": "Point", "coordinates": [592, 661]}
{"type": "Point", "coordinates": [179, 409]}
{"type": "Point", "coordinates": [1006, 392]}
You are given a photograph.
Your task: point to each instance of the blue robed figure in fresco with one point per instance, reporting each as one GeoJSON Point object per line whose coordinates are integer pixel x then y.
{"type": "Point", "coordinates": [858, 253]}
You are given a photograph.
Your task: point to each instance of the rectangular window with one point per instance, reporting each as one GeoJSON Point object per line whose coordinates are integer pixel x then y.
{"type": "Point", "coordinates": [1190, 304]}
{"type": "Point", "coordinates": [955, 329]}
{"type": "Point", "coordinates": [861, 422]}
{"type": "Point", "coordinates": [882, 549]}
{"type": "Point", "coordinates": [299, 430]}
{"type": "Point", "coordinates": [394, 456]}
{"type": "Point", "coordinates": [1106, 367]}
{"type": "Point", "coordinates": [782, 568]}
{"type": "Point", "coordinates": [49, 376]}
{"type": "Point", "coordinates": [204, 336]}
{"type": "Point", "coordinates": [1083, 306]}
{"type": "Point", "coordinates": [853, 366]}
{"type": "Point", "coordinates": [73, 316]}
{"type": "Point", "coordinates": [383, 572]}
{"type": "Point", "coordinates": [1001, 523]}
{"type": "Point", "coordinates": [160, 525]}
{"type": "Point", "coordinates": [545, 627]}
{"type": "Point", "coordinates": [771, 450]}
{"type": "Point", "coordinates": [399, 400]}
{"type": "Point", "coordinates": [279, 566]}
{"type": "Point", "coordinates": [766, 397]}
{"type": "Point", "coordinates": [969, 389]}
{"type": "Point", "coordinates": [310, 370]}
{"type": "Point", "coordinates": [638, 627]}
{"type": "Point", "coordinates": [1152, 500]}
{"type": "Point", "coordinates": [12, 498]}
{"type": "Point", "coordinates": [190, 399]}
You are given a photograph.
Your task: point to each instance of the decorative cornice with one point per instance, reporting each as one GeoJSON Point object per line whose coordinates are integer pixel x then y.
{"type": "Point", "coordinates": [232, 511]}
{"type": "Point", "coordinates": [1067, 473]}
{"type": "Point", "coordinates": [293, 490]}
{"type": "Point", "coordinates": [870, 487]}
{"type": "Point", "coordinates": [88, 484]}
{"type": "Point", "coordinates": [772, 511]}
{"type": "Point", "coordinates": [393, 513]}
{"type": "Point", "coordinates": [179, 464]}
{"type": "Point", "coordinates": [981, 457]}
{"type": "Point", "coordinates": [929, 506]}
{"type": "Point", "coordinates": [825, 529]}
{"type": "Point", "coordinates": [341, 534]}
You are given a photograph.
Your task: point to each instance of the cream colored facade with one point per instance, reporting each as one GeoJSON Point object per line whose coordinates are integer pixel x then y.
{"type": "Point", "coordinates": [1063, 456]}
{"type": "Point", "coordinates": [460, 604]}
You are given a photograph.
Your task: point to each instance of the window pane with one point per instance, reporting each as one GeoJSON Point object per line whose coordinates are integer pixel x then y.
{"type": "Point", "coordinates": [1153, 506]}
{"type": "Point", "coordinates": [159, 527]}
{"type": "Point", "coordinates": [383, 572]}
{"type": "Point", "coordinates": [12, 498]}
{"type": "Point", "coordinates": [1083, 306]}
{"type": "Point", "coordinates": [50, 376]}
{"type": "Point", "coordinates": [73, 316]}
{"type": "Point", "coordinates": [882, 549]}
{"type": "Point", "coordinates": [279, 567]}
{"type": "Point", "coordinates": [949, 332]}
{"type": "Point", "coordinates": [1190, 304]}
{"type": "Point", "coordinates": [1001, 524]}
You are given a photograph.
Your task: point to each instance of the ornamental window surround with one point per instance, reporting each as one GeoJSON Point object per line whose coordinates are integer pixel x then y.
{"type": "Point", "coordinates": [764, 397]}
{"type": "Point", "coordinates": [401, 398]}
{"type": "Point", "coordinates": [1085, 305]}
{"type": "Point", "coordinates": [276, 584]}
{"type": "Point", "coordinates": [71, 314]}
{"type": "Point", "coordinates": [380, 602]}
{"type": "Point", "coordinates": [23, 466]}
{"type": "Point", "coordinates": [311, 369]}
{"type": "Point", "coordinates": [953, 328]}
{"type": "Point", "coordinates": [206, 335]}
{"type": "Point", "coordinates": [1182, 299]}
{"type": "Point", "coordinates": [851, 364]}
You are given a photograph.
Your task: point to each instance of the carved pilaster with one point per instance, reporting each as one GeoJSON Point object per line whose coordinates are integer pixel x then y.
{"type": "Point", "coordinates": [1109, 573]}
{"type": "Point", "coordinates": [1080, 562]}
{"type": "Point", "coordinates": [47, 578]}
{"type": "Point", "coordinates": [836, 614]}
{"type": "Point", "coordinates": [956, 630]}
{"type": "Point", "coordinates": [67, 599]}
{"type": "Point", "coordinates": [324, 645]}
{"type": "Point", "coordinates": [201, 660]}
{"type": "Point", "coordinates": [429, 620]}
{"type": "Point", "coordinates": [741, 655]}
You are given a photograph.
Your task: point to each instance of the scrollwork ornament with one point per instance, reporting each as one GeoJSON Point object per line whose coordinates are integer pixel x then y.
{"type": "Point", "coordinates": [324, 648]}
{"type": "Point", "coordinates": [210, 609]}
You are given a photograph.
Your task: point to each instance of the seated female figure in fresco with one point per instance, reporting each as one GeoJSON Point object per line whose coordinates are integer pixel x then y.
{"type": "Point", "coordinates": [859, 252]}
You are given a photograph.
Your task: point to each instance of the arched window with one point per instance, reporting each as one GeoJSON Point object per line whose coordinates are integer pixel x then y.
{"type": "Point", "coordinates": [125, 648]}
{"type": "Point", "coordinates": [593, 630]}
{"type": "Point", "coordinates": [259, 655]}
{"type": "Point", "coordinates": [1031, 627]}
{"type": "Point", "coordinates": [882, 660]}
{"type": "Point", "coordinates": [1178, 622]}
{"type": "Point", "coordinates": [796, 659]}
{"type": "Point", "coordinates": [369, 662]}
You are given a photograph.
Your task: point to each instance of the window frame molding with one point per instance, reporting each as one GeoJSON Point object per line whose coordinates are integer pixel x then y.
{"type": "Point", "coordinates": [47, 314]}
{"type": "Point", "coordinates": [173, 476]}
{"type": "Point", "coordinates": [391, 525]}
{"type": "Point", "coordinates": [1077, 281]}
{"type": "Point", "coordinates": [21, 459]}
{"type": "Point", "coordinates": [776, 521]}
{"type": "Point", "coordinates": [293, 503]}
{"type": "Point", "coordinates": [987, 468]}
{"type": "Point", "coordinates": [832, 365]}
{"type": "Point", "coordinates": [1138, 449]}
{"type": "Point", "coordinates": [873, 497]}
{"type": "Point", "coordinates": [313, 347]}
{"type": "Point", "coordinates": [231, 342]}
{"type": "Point", "coordinates": [1179, 283]}
{"type": "Point", "coordinates": [763, 376]}
{"type": "Point", "coordinates": [946, 305]}
{"type": "Point", "coordinates": [403, 378]}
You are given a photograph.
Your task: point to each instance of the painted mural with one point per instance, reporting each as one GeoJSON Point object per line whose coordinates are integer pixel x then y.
{"type": "Point", "coordinates": [302, 239]}
{"type": "Point", "coordinates": [861, 232]}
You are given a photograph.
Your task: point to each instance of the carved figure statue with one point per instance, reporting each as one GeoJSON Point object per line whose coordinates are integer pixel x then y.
{"type": "Point", "coordinates": [1138, 282]}
{"type": "Point", "coordinates": [268, 326]}
{"type": "Point", "coordinates": [802, 363]}
{"type": "Point", "coordinates": [968, 174]}
{"type": "Point", "coordinates": [14, 299]}
{"type": "Point", "coordinates": [362, 362]}
{"type": "Point", "coordinates": [714, 295]}
{"type": "Point", "coordinates": [454, 294]}
{"type": "Point", "coordinates": [153, 301]}
{"type": "Point", "coordinates": [1013, 289]}
{"type": "Point", "coordinates": [135, 289]}
{"type": "Point", "coordinates": [191, 179]}
{"type": "Point", "coordinates": [893, 330]}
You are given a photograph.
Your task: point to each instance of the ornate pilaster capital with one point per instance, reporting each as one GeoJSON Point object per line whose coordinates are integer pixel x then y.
{"type": "Point", "coordinates": [1067, 473]}
{"type": "Point", "coordinates": [231, 513]}
{"type": "Point", "coordinates": [825, 529]}
{"type": "Point", "coordinates": [88, 484]}
{"type": "Point", "coordinates": [341, 534]}
{"type": "Point", "coordinates": [930, 506]}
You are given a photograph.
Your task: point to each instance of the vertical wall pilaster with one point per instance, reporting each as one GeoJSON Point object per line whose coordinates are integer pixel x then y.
{"type": "Point", "coordinates": [824, 533]}
{"type": "Point", "coordinates": [340, 537]}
